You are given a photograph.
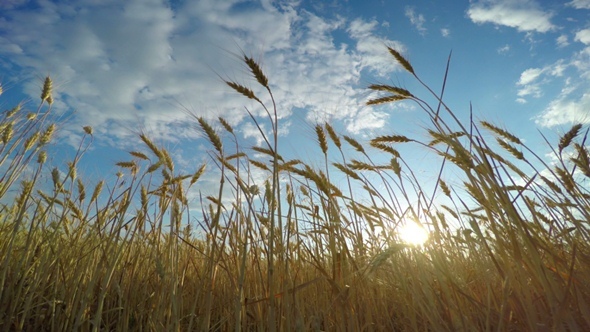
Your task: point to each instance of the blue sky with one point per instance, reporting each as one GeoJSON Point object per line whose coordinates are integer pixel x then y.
{"type": "Point", "coordinates": [124, 67]}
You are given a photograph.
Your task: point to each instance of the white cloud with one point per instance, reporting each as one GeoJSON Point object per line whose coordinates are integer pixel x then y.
{"type": "Point", "coordinates": [564, 110]}
{"type": "Point", "coordinates": [445, 32]}
{"type": "Point", "coordinates": [129, 65]}
{"type": "Point", "coordinates": [583, 36]}
{"type": "Point", "coordinates": [580, 4]}
{"type": "Point", "coordinates": [562, 41]}
{"type": "Point", "coordinates": [417, 20]}
{"type": "Point", "coordinates": [504, 49]}
{"type": "Point", "coordinates": [523, 15]}
{"type": "Point", "coordinates": [529, 75]}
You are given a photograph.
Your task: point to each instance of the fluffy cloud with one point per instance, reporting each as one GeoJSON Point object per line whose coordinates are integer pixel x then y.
{"type": "Point", "coordinates": [144, 64]}
{"type": "Point", "coordinates": [523, 15]}
{"type": "Point", "coordinates": [583, 36]}
{"type": "Point", "coordinates": [566, 110]}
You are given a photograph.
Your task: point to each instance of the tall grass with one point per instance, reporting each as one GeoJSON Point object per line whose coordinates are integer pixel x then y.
{"type": "Point", "coordinates": [508, 251]}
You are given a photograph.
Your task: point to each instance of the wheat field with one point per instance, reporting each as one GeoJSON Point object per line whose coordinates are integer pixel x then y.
{"type": "Point", "coordinates": [509, 247]}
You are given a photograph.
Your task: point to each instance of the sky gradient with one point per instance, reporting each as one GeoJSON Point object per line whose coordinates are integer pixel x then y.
{"type": "Point", "coordinates": [125, 67]}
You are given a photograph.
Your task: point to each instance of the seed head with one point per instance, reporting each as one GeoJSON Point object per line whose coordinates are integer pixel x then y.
{"type": "Point", "coordinates": [47, 88]}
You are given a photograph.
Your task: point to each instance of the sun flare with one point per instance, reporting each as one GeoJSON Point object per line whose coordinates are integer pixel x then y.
{"type": "Point", "coordinates": [413, 234]}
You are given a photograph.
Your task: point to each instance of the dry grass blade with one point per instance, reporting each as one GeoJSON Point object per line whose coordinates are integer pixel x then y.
{"type": "Point", "coordinates": [567, 138]}
{"type": "Point", "coordinates": [385, 100]}
{"type": "Point", "coordinates": [402, 61]}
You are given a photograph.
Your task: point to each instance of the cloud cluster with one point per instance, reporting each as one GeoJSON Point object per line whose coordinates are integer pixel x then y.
{"type": "Point", "coordinates": [121, 65]}
{"type": "Point", "coordinates": [572, 103]}
{"type": "Point", "coordinates": [523, 15]}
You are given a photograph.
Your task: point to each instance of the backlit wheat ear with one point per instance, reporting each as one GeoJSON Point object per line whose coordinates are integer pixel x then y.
{"type": "Point", "coordinates": [582, 161]}
{"type": "Point", "coordinates": [501, 132]}
{"type": "Point", "coordinates": [392, 89]}
{"type": "Point", "coordinates": [395, 166]}
{"type": "Point", "coordinates": [243, 90]}
{"type": "Point", "coordinates": [513, 151]}
{"type": "Point", "coordinates": [385, 100]}
{"type": "Point", "coordinates": [267, 152]}
{"type": "Point", "coordinates": [7, 133]}
{"type": "Point", "coordinates": [47, 134]}
{"type": "Point", "coordinates": [139, 155]}
{"type": "Point", "coordinates": [333, 136]}
{"type": "Point", "coordinates": [42, 157]}
{"type": "Point", "coordinates": [566, 139]}
{"type": "Point", "coordinates": [47, 89]}
{"type": "Point", "coordinates": [211, 134]}
{"type": "Point", "coordinates": [31, 141]}
{"type": "Point", "coordinates": [167, 160]}
{"type": "Point", "coordinates": [81, 190]}
{"type": "Point", "coordinates": [360, 166]}
{"type": "Point", "coordinates": [198, 174]}
{"type": "Point", "coordinates": [346, 171]}
{"type": "Point", "coordinates": [322, 138]}
{"type": "Point", "coordinates": [402, 61]}
{"type": "Point", "coordinates": [13, 111]}
{"type": "Point", "coordinates": [226, 125]}
{"type": "Point", "coordinates": [151, 145]}
{"type": "Point", "coordinates": [391, 139]}
{"type": "Point", "coordinates": [256, 71]}
{"type": "Point", "coordinates": [354, 143]}
{"type": "Point", "coordinates": [566, 179]}
{"type": "Point", "coordinates": [259, 164]}
{"type": "Point", "coordinates": [386, 148]}
{"type": "Point", "coordinates": [438, 137]}
{"type": "Point", "coordinates": [445, 188]}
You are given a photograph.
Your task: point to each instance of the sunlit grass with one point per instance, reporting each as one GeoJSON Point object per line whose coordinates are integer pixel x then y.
{"type": "Point", "coordinates": [507, 247]}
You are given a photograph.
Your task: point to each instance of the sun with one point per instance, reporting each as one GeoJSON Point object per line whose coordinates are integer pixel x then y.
{"type": "Point", "coordinates": [413, 234]}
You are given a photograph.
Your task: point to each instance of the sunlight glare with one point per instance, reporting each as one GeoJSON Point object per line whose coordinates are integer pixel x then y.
{"type": "Point", "coordinates": [413, 234]}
